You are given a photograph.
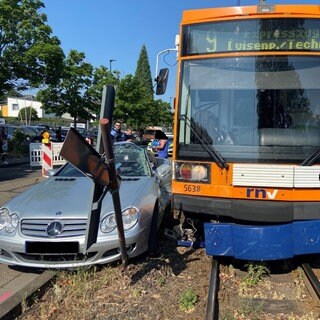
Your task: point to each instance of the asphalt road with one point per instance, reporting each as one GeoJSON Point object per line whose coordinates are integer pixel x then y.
{"type": "Point", "coordinates": [17, 284]}
{"type": "Point", "coordinates": [15, 179]}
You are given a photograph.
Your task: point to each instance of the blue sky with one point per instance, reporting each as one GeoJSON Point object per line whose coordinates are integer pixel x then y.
{"type": "Point", "coordinates": [107, 29]}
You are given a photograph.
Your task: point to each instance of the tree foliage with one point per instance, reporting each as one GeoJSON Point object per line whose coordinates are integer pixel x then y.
{"type": "Point", "coordinates": [131, 104]}
{"type": "Point", "coordinates": [136, 102]}
{"type": "Point", "coordinates": [72, 93]}
{"type": "Point", "coordinates": [27, 114]}
{"type": "Point", "coordinates": [163, 116]}
{"type": "Point", "coordinates": [143, 73]}
{"type": "Point", "coordinates": [101, 77]}
{"type": "Point", "coordinates": [29, 55]}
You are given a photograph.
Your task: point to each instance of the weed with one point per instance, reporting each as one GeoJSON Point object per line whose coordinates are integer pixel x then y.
{"type": "Point", "coordinates": [255, 274]}
{"type": "Point", "coordinates": [161, 281]}
{"type": "Point", "coordinates": [231, 270]}
{"type": "Point", "coordinates": [188, 300]}
{"type": "Point", "coordinates": [136, 293]}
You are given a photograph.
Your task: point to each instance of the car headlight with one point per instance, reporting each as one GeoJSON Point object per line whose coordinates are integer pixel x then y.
{"type": "Point", "coordinates": [8, 222]}
{"type": "Point", "coordinates": [130, 217]}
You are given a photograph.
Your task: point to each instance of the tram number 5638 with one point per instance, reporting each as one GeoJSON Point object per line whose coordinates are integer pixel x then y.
{"type": "Point", "coordinates": [191, 188]}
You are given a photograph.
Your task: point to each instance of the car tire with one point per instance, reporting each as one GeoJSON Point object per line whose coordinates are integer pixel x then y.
{"type": "Point", "coordinates": [153, 235]}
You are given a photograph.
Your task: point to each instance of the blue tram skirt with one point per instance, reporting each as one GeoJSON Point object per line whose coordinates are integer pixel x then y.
{"type": "Point", "coordinates": [262, 242]}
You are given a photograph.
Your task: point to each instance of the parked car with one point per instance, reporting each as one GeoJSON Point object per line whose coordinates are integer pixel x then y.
{"type": "Point", "coordinates": [33, 132]}
{"type": "Point", "coordinates": [45, 226]}
{"type": "Point", "coordinates": [29, 133]}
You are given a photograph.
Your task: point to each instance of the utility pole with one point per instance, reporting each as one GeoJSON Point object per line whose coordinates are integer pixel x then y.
{"type": "Point", "coordinates": [110, 64]}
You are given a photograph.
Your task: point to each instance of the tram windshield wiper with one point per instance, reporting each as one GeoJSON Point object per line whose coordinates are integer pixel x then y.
{"type": "Point", "coordinates": [204, 143]}
{"type": "Point", "coordinates": [311, 159]}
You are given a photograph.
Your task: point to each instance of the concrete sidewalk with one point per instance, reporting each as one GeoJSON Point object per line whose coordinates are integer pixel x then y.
{"type": "Point", "coordinates": [17, 286]}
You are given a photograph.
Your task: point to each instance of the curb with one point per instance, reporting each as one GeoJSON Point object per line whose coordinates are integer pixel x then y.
{"type": "Point", "coordinates": [12, 307]}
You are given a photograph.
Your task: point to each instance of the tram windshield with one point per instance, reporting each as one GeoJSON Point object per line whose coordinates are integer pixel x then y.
{"type": "Point", "coordinates": [261, 108]}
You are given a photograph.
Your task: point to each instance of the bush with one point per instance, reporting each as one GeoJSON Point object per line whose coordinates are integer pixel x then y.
{"type": "Point", "coordinates": [19, 144]}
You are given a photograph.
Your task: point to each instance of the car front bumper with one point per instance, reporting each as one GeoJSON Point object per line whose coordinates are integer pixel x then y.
{"type": "Point", "coordinates": [106, 250]}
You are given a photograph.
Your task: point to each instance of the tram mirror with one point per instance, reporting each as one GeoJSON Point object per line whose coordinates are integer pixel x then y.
{"type": "Point", "coordinates": [162, 80]}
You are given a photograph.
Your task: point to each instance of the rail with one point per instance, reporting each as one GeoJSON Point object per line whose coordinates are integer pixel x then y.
{"type": "Point", "coordinates": [212, 302]}
{"type": "Point", "coordinates": [314, 287]}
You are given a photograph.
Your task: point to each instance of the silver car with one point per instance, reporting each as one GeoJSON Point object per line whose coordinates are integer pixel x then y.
{"type": "Point", "coordinates": [45, 226]}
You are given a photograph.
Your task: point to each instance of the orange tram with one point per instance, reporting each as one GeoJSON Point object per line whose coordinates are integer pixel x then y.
{"type": "Point", "coordinates": [246, 149]}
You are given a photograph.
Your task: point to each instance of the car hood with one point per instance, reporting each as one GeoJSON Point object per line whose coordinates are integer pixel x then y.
{"type": "Point", "coordinates": [69, 198]}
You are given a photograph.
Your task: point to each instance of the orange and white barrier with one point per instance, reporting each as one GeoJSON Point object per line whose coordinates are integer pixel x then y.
{"type": "Point", "coordinates": [47, 163]}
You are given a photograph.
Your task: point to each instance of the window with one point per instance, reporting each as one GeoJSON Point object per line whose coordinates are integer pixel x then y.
{"type": "Point", "coordinates": [15, 106]}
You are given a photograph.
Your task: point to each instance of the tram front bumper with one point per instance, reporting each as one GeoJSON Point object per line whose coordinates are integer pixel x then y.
{"type": "Point", "coordinates": [262, 242]}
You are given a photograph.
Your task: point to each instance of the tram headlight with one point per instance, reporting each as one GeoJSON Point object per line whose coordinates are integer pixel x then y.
{"type": "Point", "coordinates": [193, 172]}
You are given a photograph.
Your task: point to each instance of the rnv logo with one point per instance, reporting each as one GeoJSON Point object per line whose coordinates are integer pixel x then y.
{"type": "Point", "coordinates": [261, 193]}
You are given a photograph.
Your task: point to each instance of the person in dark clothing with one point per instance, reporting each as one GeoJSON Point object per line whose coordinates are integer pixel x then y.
{"type": "Point", "coordinates": [2, 153]}
{"type": "Point", "coordinates": [128, 136]}
{"type": "Point", "coordinates": [116, 133]}
{"type": "Point", "coordinates": [58, 135]}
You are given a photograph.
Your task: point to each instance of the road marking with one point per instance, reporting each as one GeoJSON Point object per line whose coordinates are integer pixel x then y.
{"type": "Point", "coordinates": [5, 296]}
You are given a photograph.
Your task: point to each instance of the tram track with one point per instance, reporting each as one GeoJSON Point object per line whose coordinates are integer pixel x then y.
{"type": "Point", "coordinates": [212, 311]}
{"type": "Point", "coordinates": [312, 282]}
{"type": "Point", "coordinates": [281, 293]}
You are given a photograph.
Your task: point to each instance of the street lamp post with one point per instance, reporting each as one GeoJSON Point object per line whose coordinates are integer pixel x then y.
{"type": "Point", "coordinates": [110, 64]}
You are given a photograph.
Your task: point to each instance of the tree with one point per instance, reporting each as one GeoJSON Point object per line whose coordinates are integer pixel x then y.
{"type": "Point", "coordinates": [10, 93]}
{"type": "Point", "coordinates": [71, 94]}
{"type": "Point", "coordinates": [27, 114]}
{"type": "Point", "coordinates": [131, 106]}
{"type": "Point", "coordinates": [143, 73]}
{"type": "Point", "coordinates": [29, 54]}
{"type": "Point", "coordinates": [163, 116]}
{"type": "Point", "coordinates": [101, 77]}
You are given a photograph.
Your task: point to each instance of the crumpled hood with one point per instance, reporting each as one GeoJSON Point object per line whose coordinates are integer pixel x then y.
{"type": "Point", "coordinates": [68, 198]}
{"type": "Point", "coordinates": [129, 192]}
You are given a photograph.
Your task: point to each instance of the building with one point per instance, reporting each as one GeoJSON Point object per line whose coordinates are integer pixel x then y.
{"type": "Point", "coordinates": [14, 105]}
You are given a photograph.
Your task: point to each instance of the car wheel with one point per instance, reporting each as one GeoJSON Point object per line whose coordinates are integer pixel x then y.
{"type": "Point", "coordinates": [153, 235]}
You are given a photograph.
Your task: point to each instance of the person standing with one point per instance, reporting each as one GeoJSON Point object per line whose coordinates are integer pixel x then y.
{"type": "Point", "coordinates": [116, 133]}
{"type": "Point", "coordinates": [162, 146]}
{"type": "Point", "coordinates": [128, 135]}
{"type": "Point", "coordinates": [58, 134]}
{"type": "Point", "coordinates": [2, 153]}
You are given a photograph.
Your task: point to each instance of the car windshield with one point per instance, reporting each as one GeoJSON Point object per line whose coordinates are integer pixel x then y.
{"type": "Point", "coordinates": [130, 160]}
{"type": "Point", "coordinates": [28, 131]}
